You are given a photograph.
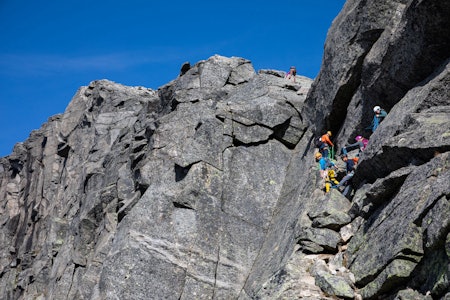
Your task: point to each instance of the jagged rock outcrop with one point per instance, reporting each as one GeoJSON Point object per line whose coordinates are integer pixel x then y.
{"type": "Point", "coordinates": [207, 188]}
{"type": "Point", "coordinates": [138, 194]}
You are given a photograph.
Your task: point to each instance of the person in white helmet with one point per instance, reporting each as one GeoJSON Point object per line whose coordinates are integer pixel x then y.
{"type": "Point", "coordinates": [379, 116]}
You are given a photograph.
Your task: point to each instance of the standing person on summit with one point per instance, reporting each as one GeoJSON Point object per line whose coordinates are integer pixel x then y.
{"type": "Point", "coordinates": [326, 143]}
{"type": "Point", "coordinates": [292, 73]}
{"type": "Point", "coordinates": [379, 116]}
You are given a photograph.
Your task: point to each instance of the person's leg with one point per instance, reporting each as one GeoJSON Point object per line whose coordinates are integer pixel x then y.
{"type": "Point", "coordinates": [347, 190]}
{"type": "Point", "coordinates": [345, 179]}
{"type": "Point", "coordinates": [354, 146]}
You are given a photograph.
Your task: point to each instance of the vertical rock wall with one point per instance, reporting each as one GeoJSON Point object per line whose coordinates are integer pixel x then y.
{"type": "Point", "coordinates": [394, 54]}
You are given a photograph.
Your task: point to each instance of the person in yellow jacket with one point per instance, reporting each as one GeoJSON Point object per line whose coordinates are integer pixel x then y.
{"type": "Point", "coordinates": [330, 180]}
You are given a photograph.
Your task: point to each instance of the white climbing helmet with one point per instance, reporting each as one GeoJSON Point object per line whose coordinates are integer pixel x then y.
{"type": "Point", "coordinates": [376, 108]}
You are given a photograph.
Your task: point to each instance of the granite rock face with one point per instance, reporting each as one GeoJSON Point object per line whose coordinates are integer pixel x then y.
{"type": "Point", "coordinates": [139, 194]}
{"type": "Point", "coordinates": [207, 188]}
{"type": "Point", "coordinates": [394, 54]}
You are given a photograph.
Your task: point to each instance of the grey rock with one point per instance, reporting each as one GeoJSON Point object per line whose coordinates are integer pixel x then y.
{"type": "Point", "coordinates": [316, 240]}
{"type": "Point", "coordinates": [391, 243]}
{"type": "Point", "coordinates": [410, 294]}
{"type": "Point", "coordinates": [204, 188]}
{"type": "Point", "coordinates": [131, 188]}
{"type": "Point", "coordinates": [371, 59]}
{"type": "Point", "coordinates": [331, 211]}
{"type": "Point", "coordinates": [334, 285]}
{"type": "Point", "coordinates": [294, 280]}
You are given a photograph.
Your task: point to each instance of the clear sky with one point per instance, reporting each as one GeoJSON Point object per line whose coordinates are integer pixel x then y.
{"type": "Point", "coordinates": [48, 49]}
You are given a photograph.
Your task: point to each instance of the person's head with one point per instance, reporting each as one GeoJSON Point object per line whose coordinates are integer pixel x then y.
{"type": "Point", "coordinates": [377, 109]}
{"type": "Point", "coordinates": [318, 155]}
{"type": "Point", "coordinates": [329, 133]}
{"type": "Point", "coordinates": [358, 138]}
{"type": "Point", "coordinates": [344, 157]}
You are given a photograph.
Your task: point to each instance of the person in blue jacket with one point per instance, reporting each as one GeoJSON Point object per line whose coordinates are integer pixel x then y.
{"type": "Point", "coordinates": [379, 116]}
{"type": "Point", "coordinates": [326, 171]}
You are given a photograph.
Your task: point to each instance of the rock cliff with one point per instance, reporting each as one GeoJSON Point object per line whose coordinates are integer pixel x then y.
{"type": "Point", "coordinates": [207, 188]}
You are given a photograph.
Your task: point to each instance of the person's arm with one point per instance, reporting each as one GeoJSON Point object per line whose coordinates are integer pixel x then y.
{"type": "Point", "coordinates": [352, 145]}
{"type": "Point", "coordinates": [327, 140]}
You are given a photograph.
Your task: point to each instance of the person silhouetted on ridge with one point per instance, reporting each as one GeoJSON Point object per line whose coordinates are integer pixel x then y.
{"type": "Point", "coordinates": [292, 73]}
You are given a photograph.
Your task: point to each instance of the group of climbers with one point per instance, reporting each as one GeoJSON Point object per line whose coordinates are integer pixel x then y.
{"type": "Point", "coordinates": [325, 157]}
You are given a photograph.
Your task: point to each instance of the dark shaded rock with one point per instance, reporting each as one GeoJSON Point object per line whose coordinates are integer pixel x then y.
{"type": "Point", "coordinates": [184, 68]}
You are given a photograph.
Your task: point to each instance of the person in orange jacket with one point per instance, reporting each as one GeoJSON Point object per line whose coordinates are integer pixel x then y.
{"type": "Point", "coordinates": [326, 143]}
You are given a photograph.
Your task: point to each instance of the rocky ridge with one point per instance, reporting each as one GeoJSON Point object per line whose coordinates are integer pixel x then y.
{"type": "Point", "coordinates": [207, 187]}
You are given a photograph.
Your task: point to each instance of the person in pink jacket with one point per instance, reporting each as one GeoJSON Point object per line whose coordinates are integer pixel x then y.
{"type": "Point", "coordinates": [361, 143]}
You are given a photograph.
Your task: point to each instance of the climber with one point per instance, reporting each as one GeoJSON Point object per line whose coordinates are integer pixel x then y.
{"type": "Point", "coordinates": [325, 167]}
{"type": "Point", "coordinates": [292, 73]}
{"type": "Point", "coordinates": [325, 144]}
{"type": "Point", "coordinates": [350, 166]}
{"type": "Point", "coordinates": [379, 116]}
{"type": "Point", "coordinates": [361, 143]}
{"type": "Point", "coordinates": [324, 163]}
{"type": "Point", "coordinates": [330, 180]}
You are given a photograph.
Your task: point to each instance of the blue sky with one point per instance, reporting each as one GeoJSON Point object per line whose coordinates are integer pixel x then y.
{"type": "Point", "coordinates": [48, 49]}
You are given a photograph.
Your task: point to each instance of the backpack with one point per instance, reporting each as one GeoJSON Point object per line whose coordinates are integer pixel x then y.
{"type": "Point", "coordinates": [318, 142]}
